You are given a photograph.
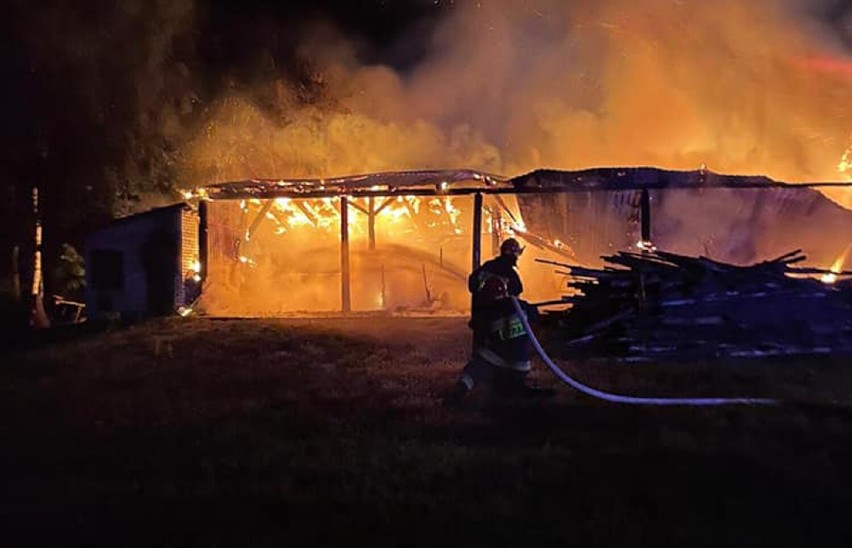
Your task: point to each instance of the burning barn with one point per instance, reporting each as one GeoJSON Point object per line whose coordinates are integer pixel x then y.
{"type": "Point", "coordinates": [404, 242]}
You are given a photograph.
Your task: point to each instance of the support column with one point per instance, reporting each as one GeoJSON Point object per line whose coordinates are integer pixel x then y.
{"type": "Point", "coordinates": [645, 215]}
{"type": "Point", "coordinates": [477, 245]}
{"type": "Point", "coordinates": [384, 295]}
{"type": "Point", "coordinates": [346, 302]}
{"type": "Point", "coordinates": [371, 222]}
{"type": "Point", "coordinates": [477, 231]}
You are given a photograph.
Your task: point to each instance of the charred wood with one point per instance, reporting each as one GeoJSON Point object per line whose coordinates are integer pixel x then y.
{"type": "Point", "coordinates": [664, 306]}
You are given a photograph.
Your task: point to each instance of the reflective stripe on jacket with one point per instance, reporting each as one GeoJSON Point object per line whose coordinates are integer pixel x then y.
{"type": "Point", "coordinates": [491, 357]}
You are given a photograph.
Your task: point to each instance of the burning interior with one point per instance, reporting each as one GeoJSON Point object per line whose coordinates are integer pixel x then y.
{"type": "Point", "coordinates": [283, 255]}
{"type": "Point", "coordinates": [393, 242]}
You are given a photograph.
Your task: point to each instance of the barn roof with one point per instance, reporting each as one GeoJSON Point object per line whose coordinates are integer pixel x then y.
{"type": "Point", "coordinates": [462, 181]}
{"type": "Point", "coordinates": [466, 181]}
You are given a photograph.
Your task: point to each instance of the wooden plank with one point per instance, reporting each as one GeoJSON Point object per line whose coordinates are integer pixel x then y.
{"type": "Point", "coordinates": [699, 307]}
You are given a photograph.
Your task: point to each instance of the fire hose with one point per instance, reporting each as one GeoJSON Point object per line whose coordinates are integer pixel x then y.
{"type": "Point", "coordinates": [617, 398]}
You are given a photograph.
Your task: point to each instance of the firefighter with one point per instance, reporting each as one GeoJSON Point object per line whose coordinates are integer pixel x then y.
{"type": "Point", "coordinates": [502, 352]}
{"type": "Point", "coordinates": [504, 267]}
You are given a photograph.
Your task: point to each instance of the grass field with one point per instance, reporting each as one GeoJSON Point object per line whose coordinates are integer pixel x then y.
{"type": "Point", "coordinates": [200, 432]}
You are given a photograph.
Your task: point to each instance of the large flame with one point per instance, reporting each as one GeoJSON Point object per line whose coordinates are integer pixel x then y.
{"type": "Point", "coordinates": [391, 214]}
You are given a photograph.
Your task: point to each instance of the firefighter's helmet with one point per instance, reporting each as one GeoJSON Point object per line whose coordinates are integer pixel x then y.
{"type": "Point", "coordinates": [511, 247]}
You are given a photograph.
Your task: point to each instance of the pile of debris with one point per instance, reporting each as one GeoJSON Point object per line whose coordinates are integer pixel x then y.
{"type": "Point", "coordinates": [655, 306]}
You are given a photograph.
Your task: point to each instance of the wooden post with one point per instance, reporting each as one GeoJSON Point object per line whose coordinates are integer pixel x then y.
{"type": "Point", "coordinates": [645, 213]}
{"type": "Point", "coordinates": [476, 258]}
{"type": "Point", "coordinates": [426, 287]}
{"type": "Point", "coordinates": [346, 302]}
{"type": "Point", "coordinates": [477, 244]}
{"type": "Point", "coordinates": [384, 296]}
{"type": "Point", "coordinates": [371, 222]}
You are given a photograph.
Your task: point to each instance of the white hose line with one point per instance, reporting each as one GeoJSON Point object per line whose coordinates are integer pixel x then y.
{"type": "Point", "coordinates": [631, 400]}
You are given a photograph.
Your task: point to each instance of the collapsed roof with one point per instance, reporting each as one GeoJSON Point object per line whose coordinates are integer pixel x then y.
{"type": "Point", "coordinates": [465, 181]}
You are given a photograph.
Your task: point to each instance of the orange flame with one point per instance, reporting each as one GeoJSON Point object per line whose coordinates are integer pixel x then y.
{"type": "Point", "coordinates": [836, 267]}
{"type": "Point", "coordinates": [844, 167]}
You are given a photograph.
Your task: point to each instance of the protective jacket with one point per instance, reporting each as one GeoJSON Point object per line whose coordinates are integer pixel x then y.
{"type": "Point", "coordinates": [504, 342]}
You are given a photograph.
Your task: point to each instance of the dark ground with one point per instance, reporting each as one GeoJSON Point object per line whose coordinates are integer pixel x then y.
{"type": "Point", "coordinates": [332, 432]}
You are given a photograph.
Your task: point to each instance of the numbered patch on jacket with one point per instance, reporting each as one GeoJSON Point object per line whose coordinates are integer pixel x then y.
{"type": "Point", "coordinates": [509, 328]}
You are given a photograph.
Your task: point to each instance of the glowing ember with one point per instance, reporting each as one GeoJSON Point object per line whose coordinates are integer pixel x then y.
{"type": "Point", "coordinates": [197, 193]}
{"type": "Point", "coordinates": [836, 267]}
{"type": "Point", "coordinates": [829, 278]}
{"type": "Point", "coordinates": [646, 246]}
{"type": "Point", "coordinates": [517, 226]}
{"type": "Point", "coordinates": [287, 214]}
{"type": "Point", "coordinates": [194, 270]}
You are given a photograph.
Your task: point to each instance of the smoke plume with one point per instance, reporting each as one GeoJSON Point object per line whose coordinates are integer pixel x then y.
{"type": "Point", "coordinates": [509, 86]}
{"type": "Point", "coordinates": [139, 96]}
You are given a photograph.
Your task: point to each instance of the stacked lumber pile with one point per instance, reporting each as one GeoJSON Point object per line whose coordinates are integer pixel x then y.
{"type": "Point", "coordinates": [655, 305]}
